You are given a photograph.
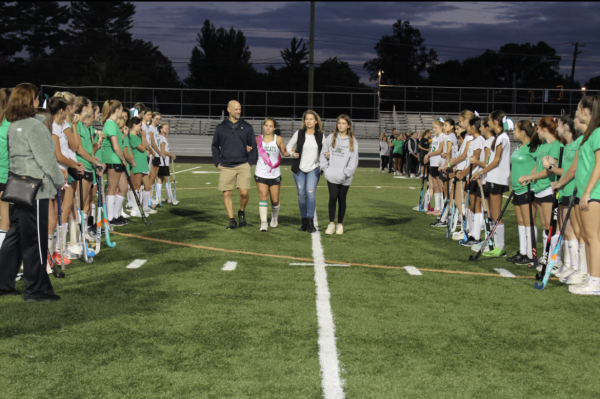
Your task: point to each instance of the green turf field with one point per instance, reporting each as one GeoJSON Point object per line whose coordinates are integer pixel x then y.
{"type": "Point", "coordinates": [180, 327]}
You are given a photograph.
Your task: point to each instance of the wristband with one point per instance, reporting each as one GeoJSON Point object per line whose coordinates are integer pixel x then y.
{"type": "Point", "coordinates": [550, 168]}
{"type": "Point", "coordinates": [449, 165]}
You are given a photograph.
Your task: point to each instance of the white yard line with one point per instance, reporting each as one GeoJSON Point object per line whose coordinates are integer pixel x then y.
{"type": "Point", "coordinates": [136, 264]}
{"type": "Point", "coordinates": [312, 264]}
{"type": "Point", "coordinates": [331, 381]}
{"type": "Point", "coordinates": [181, 171]}
{"type": "Point", "coordinates": [229, 266]}
{"type": "Point", "coordinates": [413, 271]}
{"type": "Point", "coordinates": [505, 273]}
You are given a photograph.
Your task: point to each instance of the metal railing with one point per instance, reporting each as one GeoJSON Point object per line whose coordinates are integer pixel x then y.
{"type": "Point", "coordinates": [210, 103]}
{"type": "Point", "coordinates": [430, 99]}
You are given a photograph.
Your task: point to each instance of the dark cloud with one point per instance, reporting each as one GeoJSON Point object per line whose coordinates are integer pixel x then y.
{"type": "Point", "coordinates": [456, 30]}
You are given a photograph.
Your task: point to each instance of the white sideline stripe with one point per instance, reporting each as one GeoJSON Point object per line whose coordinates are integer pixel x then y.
{"type": "Point", "coordinates": [377, 187]}
{"type": "Point", "coordinates": [229, 266]}
{"type": "Point", "coordinates": [413, 271]}
{"type": "Point", "coordinates": [328, 357]}
{"type": "Point", "coordinates": [505, 273]}
{"type": "Point", "coordinates": [505, 196]}
{"type": "Point", "coordinates": [312, 264]}
{"type": "Point", "coordinates": [412, 188]}
{"type": "Point", "coordinates": [136, 264]}
{"type": "Point", "coordinates": [181, 171]}
{"type": "Point", "coordinates": [203, 171]}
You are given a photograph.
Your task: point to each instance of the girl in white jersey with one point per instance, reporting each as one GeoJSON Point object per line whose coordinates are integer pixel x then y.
{"type": "Point", "coordinates": [474, 216]}
{"type": "Point", "coordinates": [497, 175]}
{"type": "Point", "coordinates": [153, 136]}
{"type": "Point", "coordinates": [268, 173]}
{"type": "Point", "coordinates": [434, 159]}
{"type": "Point", "coordinates": [165, 157]}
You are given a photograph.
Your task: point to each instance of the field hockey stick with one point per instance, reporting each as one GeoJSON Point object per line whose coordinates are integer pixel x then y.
{"type": "Point", "coordinates": [546, 276]}
{"type": "Point", "coordinates": [174, 181]}
{"type": "Point", "coordinates": [446, 202]}
{"type": "Point", "coordinates": [452, 210]}
{"type": "Point", "coordinates": [53, 266]}
{"type": "Point", "coordinates": [137, 199]}
{"type": "Point", "coordinates": [60, 240]}
{"type": "Point", "coordinates": [88, 255]}
{"type": "Point", "coordinates": [104, 213]}
{"type": "Point", "coordinates": [488, 238]}
{"type": "Point", "coordinates": [553, 223]}
{"type": "Point", "coordinates": [466, 210]}
{"type": "Point", "coordinates": [532, 227]}
{"type": "Point", "coordinates": [486, 218]}
{"type": "Point", "coordinates": [426, 196]}
{"type": "Point", "coordinates": [98, 212]}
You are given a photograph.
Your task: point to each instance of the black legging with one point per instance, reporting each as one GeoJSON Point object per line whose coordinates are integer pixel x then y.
{"type": "Point", "coordinates": [337, 193]}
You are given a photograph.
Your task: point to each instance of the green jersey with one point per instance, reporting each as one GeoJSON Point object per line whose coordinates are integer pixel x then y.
{"type": "Point", "coordinates": [552, 150]}
{"type": "Point", "coordinates": [398, 146]}
{"type": "Point", "coordinates": [522, 161]}
{"type": "Point", "coordinates": [568, 159]}
{"type": "Point", "coordinates": [141, 163]}
{"type": "Point", "coordinates": [86, 143]}
{"type": "Point", "coordinates": [4, 162]}
{"type": "Point", "coordinates": [585, 164]}
{"type": "Point", "coordinates": [111, 129]}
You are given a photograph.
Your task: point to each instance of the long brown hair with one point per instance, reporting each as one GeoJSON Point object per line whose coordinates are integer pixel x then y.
{"type": "Point", "coordinates": [350, 131]}
{"type": "Point", "coordinates": [593, 104]}
{"type": "Point", "coordinates": [4, 95]}
{"type": "Point", "coordinates": [20, 104]}
{"type": "Point", "coordinates": [319, 126]}
{"type": "Point", "coordinates": [549, 123]}
{"type": "Point", "coordinates": [109, 108]}
{"type": "Point", "coordinates": [530, 130]}
{"type": "Point", "coordinates": [48, 115]}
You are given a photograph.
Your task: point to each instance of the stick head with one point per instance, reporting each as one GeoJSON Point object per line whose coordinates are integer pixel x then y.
{"type": "Point", "coordinates": [539, 286]}
{"type": "Point", "coordinates": [472, 258]}
{"type": "Point", "coordinates": [538, 277]}
{"type": "Point", "coordinates": [89, 260]}
{"type": "Point", "coordinates": [149, 222]}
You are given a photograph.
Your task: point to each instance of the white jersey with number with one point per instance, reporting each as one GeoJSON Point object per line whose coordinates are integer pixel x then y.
{"type": "Point", "coordinates": [501, 173]}
{"type": "Point", "coordinates": [436, 142]}
{"type": "Point", "coordinates": [58, 131]}
{"type": "Point", "coordinates": [464, 164]}
{"type": "Point", "coordinates": [262, 169]}
{"type": "Point", "coordinates": [159, 141]}
{"type": "Point", "coordinates": [476, 144]}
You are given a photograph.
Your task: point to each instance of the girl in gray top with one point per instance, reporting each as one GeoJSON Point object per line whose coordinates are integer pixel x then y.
{"type": "Point", "coordinates": [339, 160]}
{"type": "Point", "coordinates": [31, 153]}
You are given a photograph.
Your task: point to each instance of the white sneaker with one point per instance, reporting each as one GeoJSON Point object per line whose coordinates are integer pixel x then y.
{"type": "Point", "coordinates": [169, 201]}
{"type": "Point", "coordinates": [557, 266]}
{"type": "Point", "coordinates": [150, 211]}
{"type": "Point", "coordinates": [339, 229]}
{"type": "Point", "coordinates": [263, 226]}
{"type": "Point", "coordinates": [91, 236]}
{"type": "Point", "coordinates": [576, 278]}
{"type": "Point", "coordinates": [123, 214]}
{"type": "Point", "coordinates": [477, 247]}
{"type": "Point", "coordinates": [154, 202]}
{"type": "Point", "coordinates": [136, 214]}
{"type": "Point", "coordinates": [585, 289]}
{"type": "Point", "coordinates": [563, 269]}
{"type": "Point", "coordinates": [416, 208]}
{"type": "Point", "coordinates": [174, 202]}
{"type": "Point", "coordinates": [76, 249]}
{"type": "Point", "coordinates": [458, 235]}
{"type": "Point", "coordinates": [413, 175]}
{"type": "Point", "coordinates": [330, 229]}
{"type": "Point", "coordinates": [273, 222]}
{"type": "Point", "coordinates": [70, 255]}
{"type": "Point", "coordinates": [563, 277]}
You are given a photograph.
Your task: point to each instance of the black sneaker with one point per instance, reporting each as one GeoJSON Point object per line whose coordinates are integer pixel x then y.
{"type": "Point", "coordinates": [519, 258]}
{"type": "Point", "coordinates": [46, 297]}
{"type": "Point", "coordinates": [117, 222]}
{"type": "Point", "coordinates": [441, 224]}
{"type": "Point", "coordinates": [523, 260]}
{"type": "Point", "coordinates": [125, 221]}
{"type": "Point", "coordinates": [514, 257]}
{"type": "Point", "coordinates": [242, 217]}
{"type": "Point", "coordinates": [10, 293]}
{"type": "Point", "coordinates": [471, 242]}
{"type": "Point", "coordinates": [232, 224]}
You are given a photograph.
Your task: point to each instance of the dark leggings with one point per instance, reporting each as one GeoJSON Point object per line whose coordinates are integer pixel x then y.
{"type": "Point", "coordinates": [337, 193]}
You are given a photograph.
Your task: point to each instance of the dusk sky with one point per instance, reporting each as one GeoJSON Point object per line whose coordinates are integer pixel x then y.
{"type": "Point", "coordinates": [349, 30]}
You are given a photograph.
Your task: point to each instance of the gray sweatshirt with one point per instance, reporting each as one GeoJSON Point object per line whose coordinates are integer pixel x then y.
{"type": "Point", "coordinates": [342, 163]}
{"type": "Point", "coordinates": [31, 153]}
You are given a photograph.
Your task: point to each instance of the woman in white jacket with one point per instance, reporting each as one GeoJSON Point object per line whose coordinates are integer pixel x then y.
{"type": "Point", "coordinates": [339, 160]}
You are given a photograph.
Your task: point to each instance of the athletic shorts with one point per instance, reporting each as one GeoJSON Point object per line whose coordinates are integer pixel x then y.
{"type": "Point", "coordinates": [89, 176]}
{"type": "Point", "coordinates": [522, 199]}
{"type": "Point", "coordinates": [434, 171]}
{"type": "Point", "coordinates": [163, 171]}
{"type": "Point", "coordinates": [74, 175]}
{"type": "Point", "coordinates": [494, 188]}
{"type": "Point", "coordinates": [398, 156]}
{"type": "Point", "coordinates": [472, 187]}
{"type": "Point", "coordinates": [546, 199]}
{"type": "Point", "coordinates": [240, 174]}
{"type": "Point", "coordinates": [269, 182]}
{"type": "Point", "coordinates": [478, 193]}
{"type": "Point", "coordinates": [2, 187]}
{"type": "Point", "coordinates": [156, 161]}
{"type": "Point", "coordinates": [118, 167]}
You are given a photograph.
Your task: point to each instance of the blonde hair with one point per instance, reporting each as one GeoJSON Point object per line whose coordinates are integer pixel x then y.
{"type": "Point", "coordinates": [381, 138]}
{"type": "Point", "coordinates": [350, 131]}
{"type": "Point", "coordinates": [155, 114]}
{"type": "Point", "coordinates": [80, 103]}
{"type": "Point", "coordinates": [109, 108]}
{"type": "Point", "coordinates": [69, 98]}
{"type": "Point", "coordinates": [85, 116]}
{"type": "Point", "coordinates": [466, 114]}
{"type": "Point", "coordinates": [438, 123]}
{"type": "Point", "coordinates": [319, 126]}
{"type": "Point", "coordinates": [162, 125]}
{"type": "Point", "coordinates": [121, 122]}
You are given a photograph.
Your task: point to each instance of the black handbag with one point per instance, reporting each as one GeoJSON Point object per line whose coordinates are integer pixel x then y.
{"type": "Point", "coordinates": [20, 190]}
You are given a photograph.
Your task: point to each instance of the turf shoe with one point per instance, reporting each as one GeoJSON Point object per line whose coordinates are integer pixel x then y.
{"type": "Point", "coordinates": [339, 229]}
{"type": "Point", "coordinates": [585, 289]}
{"type": "Point", "coordinates": [232, 224]}
{"type": "Point", "coordinates": [556, 268]}
{"type": "Point", "coordinates": [56, 258]}
{"type": "Point", "coordinates": [242, 217]}
{"type": "Point", "coordinates": [330, 229]}
{"type": "Point", "coordinates": [477, 247]}
{"type": "Point", "coordinates": [576, 278]}
{"type": "Point", "coordinates": [514, 257]}
{"type": "Point", "coordinates": [273, 222]}
{"type": "Point", "coordinates": [263, 226]}
{"type": "Point", "coordinates": [118, 222]}
{"type": "Point", "coordinates": [458, 235]}
{"type": "Point", "coordinates": [45, 297]}
{"type": "Point", "coordinates": [523, 261]}
{"type": "Point", "coordinates": [495, 253]}
{"type": "Point", "coordinates": [519, 258]}
{"type": "Point", "coordinates": [563, 277]}
{"type": "Point", "coordinates": [469, 243]}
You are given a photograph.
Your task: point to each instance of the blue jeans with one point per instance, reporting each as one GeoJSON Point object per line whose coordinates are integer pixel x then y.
{"type": "Point", "coordinates": [306, 184]}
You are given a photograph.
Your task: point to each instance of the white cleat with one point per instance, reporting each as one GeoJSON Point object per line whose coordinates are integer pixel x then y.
{"type": "Point", "coordinates": [264, 226]}
{"type": "Point", "coordinates": [274, 222]}
{"type": "Point", "coordinates": [330, 229]}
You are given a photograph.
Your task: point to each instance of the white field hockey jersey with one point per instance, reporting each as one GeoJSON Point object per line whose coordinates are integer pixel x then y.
{"type": "Point", "coordinates": [487, 144]}
{"type": "Point", "coordinates": [159, 141]}
{"type": "Point", "coordinates": [476, 144]}
{"type": "Point", "coordinates": [436, 142]}
{"type": "Point", "coordinates": [452, 138]}
{"type": "Point", "coordinates": [63, 141]}
{"type": "Point", "coordinates": [501, 173]}
{"type": "Point", "coordinates": [262, 169]}
{"type": "Point", "coordinates": [465, 163]}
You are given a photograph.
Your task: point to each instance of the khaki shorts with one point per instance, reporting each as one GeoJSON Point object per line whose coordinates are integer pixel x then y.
{"type": "Point", "coordinates": [240, 174]}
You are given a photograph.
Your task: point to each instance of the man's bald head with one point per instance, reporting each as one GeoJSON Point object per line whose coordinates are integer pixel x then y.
{"type": "Point", "coordinates": [235, 110]}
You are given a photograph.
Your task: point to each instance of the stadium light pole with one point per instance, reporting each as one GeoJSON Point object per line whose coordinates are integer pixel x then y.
{"type": "Point", "coordinates": [311, 57]}
{"type": "Point", "coordinates": [379, 95]}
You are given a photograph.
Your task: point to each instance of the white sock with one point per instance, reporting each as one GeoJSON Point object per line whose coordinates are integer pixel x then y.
{"type": "Point", "coordinates": [51, 243]}
{"type": "Point", "coordinates": [477, 223]}
{"type": "Point", "coordinates": [275, 211]}
{"type": "Point", "coordinates": [594, 280]}
{"type": "Point", "coordinates": [169, 194]}
{"type": "Point", "coordinates": [544, 241]}
{"type": "Point", "coordinates": [63, 239]}
{"type": "Point", "coordinates": [263, 209]}
{"type": "Point", "coordinates": [582, 259]}
{"type": "Point", "coordinates": [573, 249]}
{"type": "Point", "coordinates": [110, 207]}
{"type": "Point", "coordinates": [566, 253]}
{"type": "Point", "coordinates": [499, 237]}
{"type": "Point", "coordinates": [118, 206]}
{"type": "Point", "coordinates": [436, 205]}
{"type": "Point", "coordinates": [73, 236]}
{"type": "Point", "coordinates": [145, 199]}
{"type": "Point", "coordinates": [158, 190]}
{"type": "Point", "coordinates": [2, 237]}
{"type": "Point", "coordinates": [529, 252]}
{"type": "Point", "coordinates": [522, 240]}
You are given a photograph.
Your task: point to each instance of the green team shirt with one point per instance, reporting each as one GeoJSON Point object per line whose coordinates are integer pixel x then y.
{"type": "Point", "coordinates": [568, 159]}
{"type": "Point", "coordinates": [86, 143]}
{"type": "Point", "coordinates": [552, 150]}
{"type": "Point", "coordinates": [398, 144]}
{"type": "Point", "coordinates": [522, 161]}
{"type": "Point", "coordinates": [141, 162]}
{"type": "Point", "coordinates": [108, 153]}
{"type": "Point", "coordinates": [586, 163]}
{"type": "Point", "coordinates": [4, 161]}
{"type": "Point", "coordinates": [98, 153]}
{"type": "Point", "coordinates": [125, 144]}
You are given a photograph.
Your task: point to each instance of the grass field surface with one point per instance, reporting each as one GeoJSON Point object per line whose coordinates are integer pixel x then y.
{"type": "Point", "coordinates": [181, 327]}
